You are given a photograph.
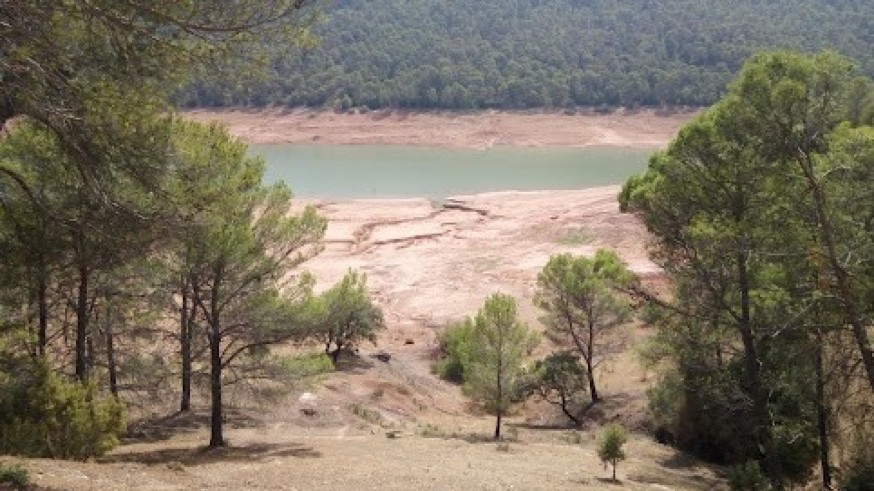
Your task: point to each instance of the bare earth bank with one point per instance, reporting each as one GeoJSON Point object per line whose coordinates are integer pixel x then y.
{"type": "Point", "coordinates": [643, 128]}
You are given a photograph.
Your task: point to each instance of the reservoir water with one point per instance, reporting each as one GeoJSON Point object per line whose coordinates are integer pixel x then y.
{"type": "Point", "coordinates": [380, 171]}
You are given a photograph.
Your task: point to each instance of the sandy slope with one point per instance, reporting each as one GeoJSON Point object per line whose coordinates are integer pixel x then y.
{"type": "Point", "coordinates": [430, 265]}
{"type": "Point", "coordinates": [482, 129]}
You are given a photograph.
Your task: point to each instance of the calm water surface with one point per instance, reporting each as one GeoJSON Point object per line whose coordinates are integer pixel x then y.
{"type": "Point", "coordinates": [380, 171]}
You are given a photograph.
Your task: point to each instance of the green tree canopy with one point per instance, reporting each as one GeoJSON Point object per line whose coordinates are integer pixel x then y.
{"type": "Point", "coordinates": [350, 316]}
{"type": "Point", "coordinates": [582, 306]}
{"type": "Point", "coordinates": [497, 347]}
{"type": "Point", "coordinates": [761, 211]}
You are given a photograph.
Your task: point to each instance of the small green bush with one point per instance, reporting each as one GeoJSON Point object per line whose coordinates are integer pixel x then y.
{"type": "Point", "coordinates": [610, 445]}
{"type": "Point", "coordinates": [372, 416]}
{"type": "Point", "coordinates": [432, 431]}
{"type": "Point", "coordinates": [42, 415]}
{"type": "Point", "coordinates": [747, 477]}
{"type": "Point", "coordinates": [454, 345]}
{"type": "Point", "coordinates": [859, 476]}
{"type": "Point", "coordinates": [15, 476]}
{"type": "Point", "coordinates": [308, 365]}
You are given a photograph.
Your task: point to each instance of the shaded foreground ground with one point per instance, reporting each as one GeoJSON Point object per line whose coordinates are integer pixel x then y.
{"type": "Point", "coordinates": [341, 459]}
{"type": "Point", "coordinates": [643, 128]}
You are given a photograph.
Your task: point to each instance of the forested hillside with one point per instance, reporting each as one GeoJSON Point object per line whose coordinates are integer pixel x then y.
{"type": "Point", "coordinates": [535, 53]}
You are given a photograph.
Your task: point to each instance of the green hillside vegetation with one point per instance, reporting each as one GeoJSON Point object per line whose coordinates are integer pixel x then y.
{"type": "Point", "coordinates": [541, 53]}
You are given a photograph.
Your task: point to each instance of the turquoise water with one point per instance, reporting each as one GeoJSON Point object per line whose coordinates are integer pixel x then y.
{"type": "Point", "coordinates": [380, 171]}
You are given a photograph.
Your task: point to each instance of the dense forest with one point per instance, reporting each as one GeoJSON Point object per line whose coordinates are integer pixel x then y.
{"type": "Point", "coordinates": [540, 53]}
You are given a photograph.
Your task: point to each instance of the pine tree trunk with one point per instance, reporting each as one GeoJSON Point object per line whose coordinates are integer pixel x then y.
{"type": "Point", "coordinates": [842, 277]}
{"type": "Point", "coordinates": [590, 362]}
{"type": "Point", "coordinates": [822, 417]}
{"type": "Point", "coordinates": [43, 308]}
{"type": "Point", "coordinates": [185, 335]}
{"type": "Point", "coordinates": [82, 315]}
{"type": "Point", "coordinates": [110, 356]}
{"type": "Point", "coordinates": [216, 438]}
{"type": "Point", "coordinates": [754, 383]}
{"type": "Point", "coordinates": [567, 412]}
{"type": "Point", "coordinates": [590, 375]}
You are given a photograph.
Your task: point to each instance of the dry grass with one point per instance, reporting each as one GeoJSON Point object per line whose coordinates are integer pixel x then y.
{"type": "Point", "coordinates": [286, 457]}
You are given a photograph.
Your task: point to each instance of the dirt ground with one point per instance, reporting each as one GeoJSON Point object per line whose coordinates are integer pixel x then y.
{"type": "Point", "coordinates": [375, 425]}
{"type": "Point", "coordinates": [645, 128]}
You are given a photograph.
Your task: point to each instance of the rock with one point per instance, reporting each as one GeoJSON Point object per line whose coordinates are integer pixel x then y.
{"type": "Point", "coordinates": [383, 356]}
{"type": "Point", "coordinates": [409, 341]}
{"type": "Point", "coordinates": [308, 411]}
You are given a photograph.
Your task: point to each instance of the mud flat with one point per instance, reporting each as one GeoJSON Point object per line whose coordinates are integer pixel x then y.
{"type": "Point", "coordinates": [644, 128]}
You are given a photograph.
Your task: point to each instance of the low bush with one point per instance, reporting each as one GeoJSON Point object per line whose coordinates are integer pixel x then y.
{"type": "Point", "coordinates": [14, 476]}
{"type": "Point", "coordinates": [747, 477]}
{"type": "Point", "coordinates": [454, 343]}
{"type": "Point", "coordinates": [859, 475]}
{"type": "Point", "coordinates": [308, 365]}
{"type": "Point", "coordinates": [42, 415]}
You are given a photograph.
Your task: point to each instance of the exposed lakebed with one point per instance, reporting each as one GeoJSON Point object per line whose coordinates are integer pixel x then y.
{"type": "Point", "coordinates": [387, 171]}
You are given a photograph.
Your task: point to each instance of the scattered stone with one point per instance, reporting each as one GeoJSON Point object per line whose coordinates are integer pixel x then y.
{"type": "Point", "coordinates": [393, 434]}
{"type": "Point", "coordinates": [409, 341]}
{"type": "Point", "coordinates": [308, 411]}
{"type": "Point", "coordinates": [383, 356]}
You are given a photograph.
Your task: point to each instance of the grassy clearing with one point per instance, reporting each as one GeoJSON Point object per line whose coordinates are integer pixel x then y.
{"type": "Point", "coordinates": [575, 237]}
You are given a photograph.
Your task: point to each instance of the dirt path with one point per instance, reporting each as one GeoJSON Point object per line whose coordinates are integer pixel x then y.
{"type": "Point", "coordinates": [481, 129]}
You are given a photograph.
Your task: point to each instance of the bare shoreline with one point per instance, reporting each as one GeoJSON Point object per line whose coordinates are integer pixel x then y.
{"type": "Point", "coordinates": [430, 265]}
{"type": "Point", "coordinates": [641, 129]}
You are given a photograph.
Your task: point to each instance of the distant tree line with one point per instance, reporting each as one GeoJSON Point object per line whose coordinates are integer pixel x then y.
{"type": "Point", "coordinates": [539, 53]}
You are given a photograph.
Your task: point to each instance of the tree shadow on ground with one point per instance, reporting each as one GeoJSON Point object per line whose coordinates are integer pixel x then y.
{"type": "Point", "coordinates": [679, 461]}
{"type": "Point", "coordinates": [609, 481]}
{"type": "Point", "coordinates": [591, 415]}
{"type": "Point", "coordinates": [353, 364]}
{"type": "Point", "coordinates": [189, 456]}
{"type": "Point", "coordinates": [604, 411]}
{"type": "Point", "coordinates": [159, 428]}
{"type": "Point", "coordinates": [547, 426]}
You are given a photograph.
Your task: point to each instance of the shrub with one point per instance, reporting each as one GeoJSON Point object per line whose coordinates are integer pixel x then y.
{"type": "Point", "coordinates": [562, 380]}
{"type": "Point", "coordinates": [308, 365]}
{"type": "Point", "coordinates": [14, 476]}
{"type": "Point", "coordinates": [859, 475]}
{"type": "Point", "coordinates": [454, 345]}
{"type": "Point", "coordinates": [42, 415]}
{"type": "Point", "coordinates": [432, 431]}
{"type": "Point", "coordinates": [610, 445]}
{"type": "Point", "coordinates": [372, 416]}
{"type": "Point", "coordinates": [747, 477]}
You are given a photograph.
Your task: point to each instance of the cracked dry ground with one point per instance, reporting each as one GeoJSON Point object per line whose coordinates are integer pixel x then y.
{"type": "Point", "coordinates": [431, 264]}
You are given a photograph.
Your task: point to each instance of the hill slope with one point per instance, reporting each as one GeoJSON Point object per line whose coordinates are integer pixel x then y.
{"type": "Point", "coordinates": [536, 53]}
